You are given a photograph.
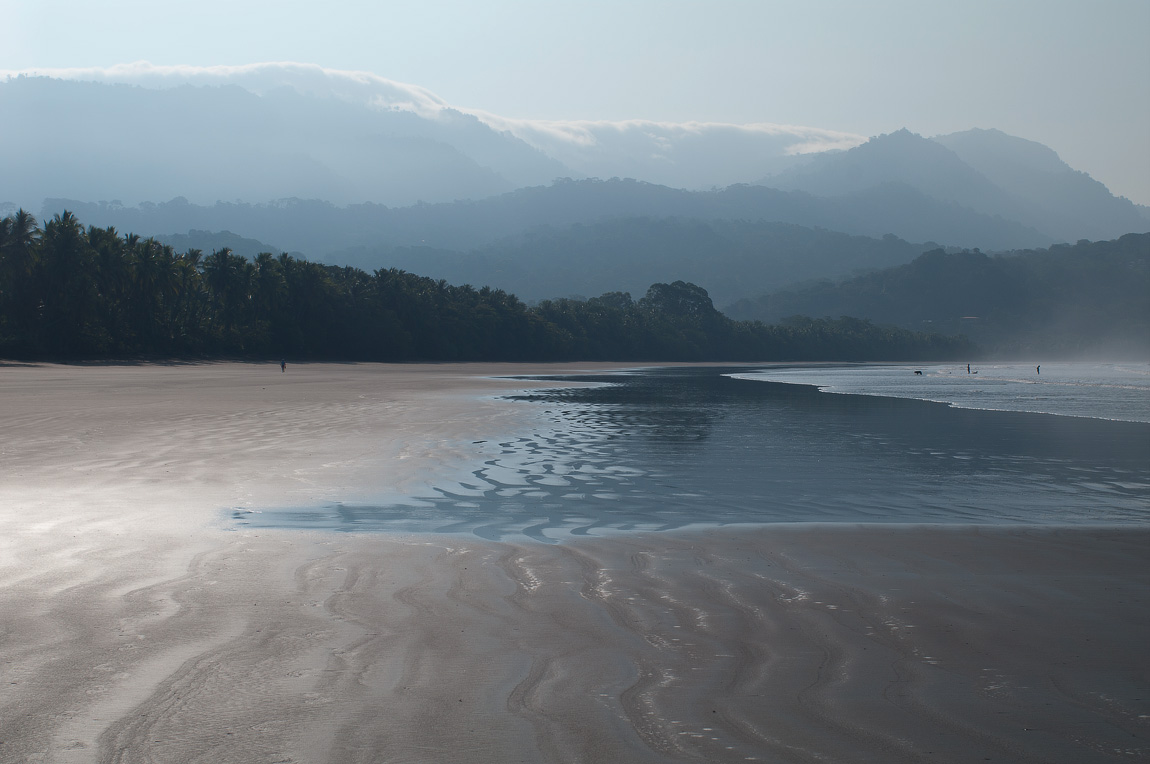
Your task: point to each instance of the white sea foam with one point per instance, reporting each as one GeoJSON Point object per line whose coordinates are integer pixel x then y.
{"type": "Point", "coordinates": [1116, 391]}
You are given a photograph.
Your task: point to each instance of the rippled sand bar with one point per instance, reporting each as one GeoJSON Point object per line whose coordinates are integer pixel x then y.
{"type": "Point", "coordinates": [136, 626]}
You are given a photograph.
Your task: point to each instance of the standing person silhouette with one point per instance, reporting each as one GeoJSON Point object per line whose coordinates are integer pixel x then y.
{"type": "Point", "coordinates": [283, 365]}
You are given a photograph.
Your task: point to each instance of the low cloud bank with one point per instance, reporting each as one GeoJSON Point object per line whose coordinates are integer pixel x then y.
{"type": "Point", "coordinates": [689, 154]}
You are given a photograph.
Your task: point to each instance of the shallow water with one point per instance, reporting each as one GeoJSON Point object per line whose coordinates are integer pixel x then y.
{"type": "Point", "coordinates": [667, 448]}
{"type": "Point", "coordinates": [1118, 391]}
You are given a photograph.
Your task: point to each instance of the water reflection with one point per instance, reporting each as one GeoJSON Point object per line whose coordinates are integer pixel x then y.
{"type": "Point", "coordinates": [666, 448]}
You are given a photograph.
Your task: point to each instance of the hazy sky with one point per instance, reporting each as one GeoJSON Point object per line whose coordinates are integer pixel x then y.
{"type": "Point", "coordinates": [1072, 75]}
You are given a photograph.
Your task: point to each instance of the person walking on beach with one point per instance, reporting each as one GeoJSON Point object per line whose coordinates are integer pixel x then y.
{"type": "Point", "coordinates": [283, 365]}
{"type": "Point", "coordinates": [1038, 370]}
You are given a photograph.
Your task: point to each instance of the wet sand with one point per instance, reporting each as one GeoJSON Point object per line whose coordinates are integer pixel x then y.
{"type": "Point", "coordinates": [135, 626]}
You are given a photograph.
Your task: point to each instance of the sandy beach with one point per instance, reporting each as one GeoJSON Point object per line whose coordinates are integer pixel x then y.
{"type": "Point", "coordinates": [138, 625]}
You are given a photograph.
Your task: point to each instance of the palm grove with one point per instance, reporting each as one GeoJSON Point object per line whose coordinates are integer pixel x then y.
{"type": "Point", "coordinates": [70, 292]}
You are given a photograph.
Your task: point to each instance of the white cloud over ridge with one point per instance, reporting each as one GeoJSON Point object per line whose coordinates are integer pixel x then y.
{"type": "Point", "coordinates": [309, 79]}
{"type": "Point", "coordinates": [689, 154]}
{"type": "Point", "coordinates": [683, 154]}
{"type": "Point", "coordinates": [587, 132]}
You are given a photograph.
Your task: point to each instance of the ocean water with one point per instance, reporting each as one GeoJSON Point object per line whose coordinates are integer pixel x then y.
{"type": "Point", "coordinates": [1119, 391]}
{"type": "Point", "coordinates": [664, 449]}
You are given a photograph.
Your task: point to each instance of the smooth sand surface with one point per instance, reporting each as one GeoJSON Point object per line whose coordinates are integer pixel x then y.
{"type": "Point", "coordinates": [136, 626]}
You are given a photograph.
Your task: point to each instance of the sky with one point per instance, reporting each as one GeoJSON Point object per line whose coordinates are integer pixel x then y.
{"type": "Point", "coordinates": [1072, 75]}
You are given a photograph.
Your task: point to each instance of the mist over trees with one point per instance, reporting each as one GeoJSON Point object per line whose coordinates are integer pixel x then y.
{"type": "Point", "coordinates": [1087, 299]}
{"type": "Point", "coordinates": [332, 233]}
{"type": "Point", "coordinates": [309, 167]}
{"type": "Point", "coordinates": [730, 258]}
{"type": "Point", "coordinates": [585, 236]}
{"type": "Point", "coordinates": [70, 292]}
{"type": "Point", "coordinates": [579, 237]}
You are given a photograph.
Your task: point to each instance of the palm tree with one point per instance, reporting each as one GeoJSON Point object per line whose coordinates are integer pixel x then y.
{"type": "Point", "coordinates": [70, 320]}
{"type": "Point", "coordinates": [189, 311]}
{"type": "Point", "coordinates": [18, 297]}
{"type": "Point", "coordinates": [269, 287]}
{"type": "Point", "coordinates": [112, 279]}
{"type": "Point", "coordinates": [229, 280]}
{"type": "Point", "coordinates": [22, 231]}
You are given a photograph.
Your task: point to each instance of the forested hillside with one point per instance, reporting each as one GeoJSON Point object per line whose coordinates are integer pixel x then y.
{"type": "Point", "coordinates": [1090, 298]}
{"type": "Point", "coordinates": [324, 231]}
{"type": "Point", "coordinates": [730, 258]}
{"type": "Point", "coordinates": [70, 292]}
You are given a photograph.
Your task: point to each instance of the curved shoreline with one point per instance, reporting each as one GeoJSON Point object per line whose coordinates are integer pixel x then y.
{"type": "Point", "coordinates": [834, 387]}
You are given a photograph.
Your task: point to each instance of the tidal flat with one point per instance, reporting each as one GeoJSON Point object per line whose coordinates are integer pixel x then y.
{"type": "Point", "coordinates": [630, 592]}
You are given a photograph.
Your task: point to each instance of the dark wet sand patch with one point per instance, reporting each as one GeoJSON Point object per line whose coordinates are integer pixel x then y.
{"type": "Point", "coordinates": [790, 644]}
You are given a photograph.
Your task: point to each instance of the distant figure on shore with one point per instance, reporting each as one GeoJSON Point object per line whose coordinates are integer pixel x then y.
{"type": "Point", "coordinates": [968, 368]}
{"type": "Point", "coordinates": [283, 365]}
{"type": "Point", "coordinates": [1038, 369]}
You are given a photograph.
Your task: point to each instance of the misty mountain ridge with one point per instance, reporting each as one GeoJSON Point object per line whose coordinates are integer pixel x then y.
{"type": "Point", "coordinates": [573, 237]}
{"type": "Point", "coordinates": [622, 254]}
{"type": "Point", "coordinates": [318, 143]}
{"type": "Point", "coordinates": [899, 157]}
{"type": "Point", "coordinates": [322, 230]}
{"type": "Point", "coordinates": [280, 130]}
{"type": "Point", "coordinates": [1063, 201]}
{"type": "Point", "coordinates": [89, 141]}
{"type": "Point", "coordinates": [274, 131]}
{"type": "Point", "coordinates": [986, 171]}
{"type": "Point", "coordinates": [1090, 299]}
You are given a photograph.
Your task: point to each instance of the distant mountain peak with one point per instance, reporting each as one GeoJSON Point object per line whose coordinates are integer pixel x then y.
{"type": "Point", "coordinates": [682, 154]}
{"type": "Point", "coordinates": [987, 148]}
{"type": "Point", "coordinates": [902, 133]}
{"type": "Point", "coordinates": [898, 157]}
{"type": "Point", "coordinates": [277, 130]}
{"type": "Point", "coordinates": [984, 170]}
{"type": "Point", "coordinates": [1060, 200]}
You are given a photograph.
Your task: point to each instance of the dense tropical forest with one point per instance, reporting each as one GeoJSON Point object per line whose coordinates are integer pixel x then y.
{"type": "Point", "coordinates": [1069, 300]}
{"type": "Point", "coordinates": [68, 292]}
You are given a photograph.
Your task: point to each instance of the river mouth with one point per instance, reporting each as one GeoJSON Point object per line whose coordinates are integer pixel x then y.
{"type": "Point", "coordinates": [665, 449]}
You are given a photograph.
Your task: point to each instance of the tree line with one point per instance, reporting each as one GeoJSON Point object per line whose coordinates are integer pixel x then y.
{"type": "Point", "coordinates": [68, 292]}
{"type": "Point", "coordinates": [1069, 300]}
